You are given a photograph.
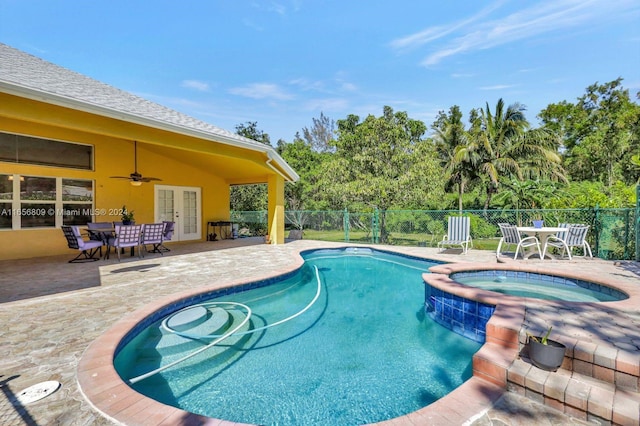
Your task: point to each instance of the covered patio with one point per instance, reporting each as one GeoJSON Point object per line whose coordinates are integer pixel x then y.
{"type": "Point", "coordinates": [52, 311]}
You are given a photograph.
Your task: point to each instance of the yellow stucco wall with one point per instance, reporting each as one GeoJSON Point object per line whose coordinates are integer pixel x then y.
{"type": "Point", "coordinates": [177, 159]}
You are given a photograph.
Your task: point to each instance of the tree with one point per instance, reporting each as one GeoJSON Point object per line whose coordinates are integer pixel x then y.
{"type": "Point", "coordinates": [306, 162]}
{"type": "Point", "coordinates": [600, 133]}
{"type": "Point", "coordinates": [320, 135]}
{"type": "Point", "coordinates": [502, 146]}
{"type": "Point", "coordinates": [450, 136]}
{"type": "Point", "coordinates": [380, 163]}
{"type": "Point", "coordinates": [250, 197]}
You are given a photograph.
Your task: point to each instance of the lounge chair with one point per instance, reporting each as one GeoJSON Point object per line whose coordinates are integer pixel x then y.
{"type": "Point", "coordinates": [511, 236]}
{"type": "Point", "coordinates": [458, 233]}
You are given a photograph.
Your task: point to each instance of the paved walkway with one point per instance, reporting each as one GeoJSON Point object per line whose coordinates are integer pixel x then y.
{"type": "Point", "coordinates": [51, 311]}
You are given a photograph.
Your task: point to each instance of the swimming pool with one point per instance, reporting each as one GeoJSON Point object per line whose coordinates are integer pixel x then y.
{"type": "Point", "coordinates": [363, 352]}
{"type": "Point", "coordinates": [539, 286]}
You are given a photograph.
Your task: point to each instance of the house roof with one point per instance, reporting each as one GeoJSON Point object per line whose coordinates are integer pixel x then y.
{"type": "Point", "coordinates": [28, 76]}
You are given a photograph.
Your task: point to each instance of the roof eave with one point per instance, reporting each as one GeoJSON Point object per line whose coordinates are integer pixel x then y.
{"type": "Point", "coordinates": [68, 102]}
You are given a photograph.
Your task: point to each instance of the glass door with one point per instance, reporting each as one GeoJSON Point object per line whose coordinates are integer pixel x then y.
{"type": "Point", "coordinates": [180, 204]}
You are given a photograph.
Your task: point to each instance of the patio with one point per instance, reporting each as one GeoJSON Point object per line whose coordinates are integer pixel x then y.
{"type": "Point", "coordinates": [52, 311]}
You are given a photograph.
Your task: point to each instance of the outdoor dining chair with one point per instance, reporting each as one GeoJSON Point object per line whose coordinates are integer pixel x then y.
{"type": "Point", "coordinates": [101, 231]}
{"type": "Point", "coordinates": [152, 234]}
{"type": "Point", "coordinates": [169, 228]}
{"type": "Point", "coordinates": [576, 236]}
{"type": "Point", "coordinates": [127, 236]}
{"type": "Point", "coordinates": [88, 249]}
{"type": "Point", "coordinates": [458, 233]}
{"type": "Point", "coordinates": [511, 236]}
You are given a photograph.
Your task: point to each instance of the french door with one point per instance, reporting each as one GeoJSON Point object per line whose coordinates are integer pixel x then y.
{"type": "Point", "coordinates": [182, 205]}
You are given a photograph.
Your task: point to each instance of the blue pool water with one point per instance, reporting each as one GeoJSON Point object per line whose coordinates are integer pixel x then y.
{"type": "Point", "coordinates": [363, 352]}
{"type": "Point", "coordinates": [539, 286]}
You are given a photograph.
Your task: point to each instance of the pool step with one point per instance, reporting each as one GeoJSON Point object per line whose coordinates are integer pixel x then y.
{"type": "Point", "coordinates": [595, 382]}
{"type": "Point", "coordinates": [174, 346]}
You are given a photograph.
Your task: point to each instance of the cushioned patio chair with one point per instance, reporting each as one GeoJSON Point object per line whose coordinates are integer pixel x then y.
{"type": "Point", "coordinates": [458, 233]}
{"type": "Point", "coordinates": [576, 236]}
{"type": "Point", "coordinates": [88, 249]}
{"type": "Point", "coordinates": [101, 231]}
{"type": "Point", "coordinates": [511, 236]}
{"type": "Point", "coordinates": [152, 234]}
{"type": "Point", "coordinates": [169, 228]}
{"type": "Point", "coordinates": [127, 236]}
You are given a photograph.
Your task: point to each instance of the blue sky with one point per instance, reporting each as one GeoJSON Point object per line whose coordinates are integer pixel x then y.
{"type": "Point", "coordinates": [281, 63]}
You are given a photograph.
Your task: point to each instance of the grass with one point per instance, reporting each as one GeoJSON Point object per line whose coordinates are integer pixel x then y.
{"type": "Point", "coordinates": [395, 238]}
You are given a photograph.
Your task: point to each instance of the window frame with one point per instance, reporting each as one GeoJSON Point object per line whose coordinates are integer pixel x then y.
{"type": "Point", "coordinates": [59, 204]}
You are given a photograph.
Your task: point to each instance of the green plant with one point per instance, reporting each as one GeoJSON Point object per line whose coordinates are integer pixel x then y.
{"type": "Point", "coordinates": [127, 216]}
{"type": "Point", "coordinates": [544, 339]}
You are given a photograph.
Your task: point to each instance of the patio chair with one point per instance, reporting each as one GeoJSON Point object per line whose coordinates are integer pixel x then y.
{"type": "Point", "coordinates": [169, 227]}
{"type": "Point", "coordinates": [576, 236]}
{"type": "Point", "coordinates": [101, 231]}
{"type": "Point", "coordinates": [458, 233]}
{"type": "Point", "coordinates": [88, 249]}
{"type": "Point", "coordinates": [511, 236]}
{"type": "Point", "coordinates": [152, 234]}
{"type": "Point", "coordinates": [127, 236]}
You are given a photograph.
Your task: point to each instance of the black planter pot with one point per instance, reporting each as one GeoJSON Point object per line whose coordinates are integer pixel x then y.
{"type": "Point", "coordinates": [547, 357]}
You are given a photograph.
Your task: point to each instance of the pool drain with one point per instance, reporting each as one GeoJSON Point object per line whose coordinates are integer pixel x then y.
{"type": "Point", "coordinates": [37, 392]}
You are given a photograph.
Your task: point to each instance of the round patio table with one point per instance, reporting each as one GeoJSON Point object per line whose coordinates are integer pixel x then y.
{"type": "Point", "coordinates": [543, 233]}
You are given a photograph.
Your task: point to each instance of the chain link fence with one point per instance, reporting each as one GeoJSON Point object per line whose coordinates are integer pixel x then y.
{"type": "Point", "coordinates": [613, 233]}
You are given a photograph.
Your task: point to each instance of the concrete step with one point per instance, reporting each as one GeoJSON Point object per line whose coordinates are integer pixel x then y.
{"type": "Point", "coordinates": [575, 394]}
{"type": "Point", "coordinates": [603, 362]}
{"type": "Point", "coordinates": [599, 383]}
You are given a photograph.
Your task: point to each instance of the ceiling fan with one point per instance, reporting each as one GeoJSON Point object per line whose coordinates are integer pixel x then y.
{"type": "Point", "coordinates": [135, 178]}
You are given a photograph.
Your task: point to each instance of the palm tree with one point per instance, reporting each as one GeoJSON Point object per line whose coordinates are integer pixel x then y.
{"type": "Point", "coordinates": [450, 135]}
{"type": "Point", "coordinates": [502, 146]}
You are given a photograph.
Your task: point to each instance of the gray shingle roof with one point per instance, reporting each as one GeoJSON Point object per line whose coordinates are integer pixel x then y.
{"type": "Point", "coordinates": [52, 83]}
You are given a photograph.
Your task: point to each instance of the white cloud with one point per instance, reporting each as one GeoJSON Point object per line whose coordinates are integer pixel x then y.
{"type": "Point", "coordinates": [262, 91]}
{"type": "Point", "coordinates": [278, 8]}
{"type": "Point", "coordinates": [349, 87]}
{"type": "Point", "coordinates": [200, 86]}
{"type": "Point", "coordinates": [433, 33]}
{"type": "Point", "coordinates": [475, 33]}
{"type": "Point", "coordinates": [497, 87]}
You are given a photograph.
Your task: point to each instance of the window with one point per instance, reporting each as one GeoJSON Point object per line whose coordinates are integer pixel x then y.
{"type": "Point", "coordinates": [44, 202]}
{"type": "Point", "coordinates": [6, 201]}
{"type": "Point", "coordinates": [45, 152]}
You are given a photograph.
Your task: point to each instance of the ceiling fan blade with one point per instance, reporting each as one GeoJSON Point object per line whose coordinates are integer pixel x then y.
{"type": "Point", "coordinates": [135, 176]}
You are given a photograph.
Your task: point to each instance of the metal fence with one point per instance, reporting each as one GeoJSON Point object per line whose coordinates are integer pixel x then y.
{"type": "Point", "coordinates": [613, 233]}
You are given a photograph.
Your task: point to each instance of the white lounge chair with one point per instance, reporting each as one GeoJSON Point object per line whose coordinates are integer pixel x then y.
{"type": "Point", "coordinates": [576, 236]}
{"type": "Point", "coordinates": [511, 236]}
{"type": "Point", "coordinates": [458, 233]}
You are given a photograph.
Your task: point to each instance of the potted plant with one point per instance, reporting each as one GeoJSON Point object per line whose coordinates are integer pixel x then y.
{"type": "Point", "coordinates": [545, 353]}
{"type": "Point", "coordinates": [127, 216]}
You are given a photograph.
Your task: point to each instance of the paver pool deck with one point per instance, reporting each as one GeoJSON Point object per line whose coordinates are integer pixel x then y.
{"type": "Point", "coordinates": [51, 312]}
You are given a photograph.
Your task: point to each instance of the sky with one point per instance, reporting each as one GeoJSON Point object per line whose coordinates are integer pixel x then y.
{"type": "Point", "coordinates": [282, 63]}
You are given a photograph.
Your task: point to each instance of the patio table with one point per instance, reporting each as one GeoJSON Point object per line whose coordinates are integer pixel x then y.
{"type": "Point", "coordinates": [543, 233]}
